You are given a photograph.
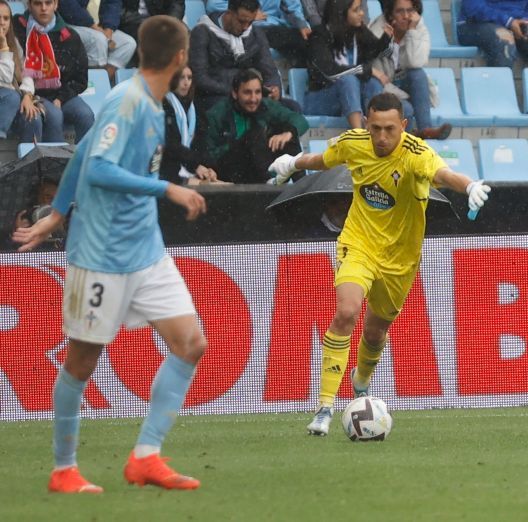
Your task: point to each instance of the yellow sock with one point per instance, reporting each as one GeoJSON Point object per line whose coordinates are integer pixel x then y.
{"type": "Point", "coordinates": [367, 359]}
{"type": "Point", "coordinates": [335, 358]}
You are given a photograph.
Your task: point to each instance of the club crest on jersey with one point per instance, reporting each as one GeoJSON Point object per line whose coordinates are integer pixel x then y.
{"type": "Point", "coordinates": [108, 136]}
{"type": "Point", "coordinates": [155, 161]}
{"type": "Point", "coordinates": [376, 197]}
{"type": "Point", "coordinates": [396, 177]}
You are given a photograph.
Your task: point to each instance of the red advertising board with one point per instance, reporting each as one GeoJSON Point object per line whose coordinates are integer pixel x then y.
{"type": "Point", "coordinates": [460, 340]}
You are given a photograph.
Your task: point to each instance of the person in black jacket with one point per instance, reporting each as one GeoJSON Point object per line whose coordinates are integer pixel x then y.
{"type": "Point", "coordinates": [134, 12]}
{"type": "Point", "coordinates": [62, 74]}
{"type": "Point", "coordinates": [221, 45]}
{"type": "Point", "coordinates": [341, 78]}
{"type": "Point", "coordinates": [180, 163]}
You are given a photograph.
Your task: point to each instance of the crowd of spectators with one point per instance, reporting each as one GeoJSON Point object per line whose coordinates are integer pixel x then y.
{"type": "Point", "coordinates": [232, 97]}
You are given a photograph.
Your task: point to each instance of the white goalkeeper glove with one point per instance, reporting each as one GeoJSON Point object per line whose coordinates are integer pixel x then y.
{"type": "Point", "coordinates": [283, 167]}
{"type": "Point", "coordinates": [477, 194]}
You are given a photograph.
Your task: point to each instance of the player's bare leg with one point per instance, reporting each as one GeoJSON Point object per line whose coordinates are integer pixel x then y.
{"type": "Point", "coordinates": [79, 365]}
{"type": "Point", "coordinates": [336, 348]}
{"type": "Point", "coordinates": [187, 345]}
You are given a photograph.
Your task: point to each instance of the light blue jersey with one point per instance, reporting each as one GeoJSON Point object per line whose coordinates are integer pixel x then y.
{"type": "Point", "coordinates": [112, 179]}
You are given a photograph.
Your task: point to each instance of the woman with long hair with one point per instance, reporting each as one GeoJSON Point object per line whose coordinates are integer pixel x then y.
{"type": "Point", "coordinates": [341, 49]}
{"type": "Point", "coordinates": [403, 73]}
{"type": "Point", "coordinates": [16, 89]}
{"type": "Point", "coordinates": [181, 164]}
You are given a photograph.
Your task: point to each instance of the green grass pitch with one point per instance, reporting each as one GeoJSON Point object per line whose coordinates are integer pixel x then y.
{"type": "Point", "coordinates": [439, 465]}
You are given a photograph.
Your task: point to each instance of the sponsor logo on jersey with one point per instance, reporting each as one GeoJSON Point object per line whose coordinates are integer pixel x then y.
{"type": "Point", "coordinates": [155, 161]}
{"type": "Point", "coordinates": [108, 136]}
{"type": "Point", "coordinates": [376, 197]}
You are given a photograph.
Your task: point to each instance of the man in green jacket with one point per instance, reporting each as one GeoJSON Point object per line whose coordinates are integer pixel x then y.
{"type": "Point", "coordinates": [246, 132]}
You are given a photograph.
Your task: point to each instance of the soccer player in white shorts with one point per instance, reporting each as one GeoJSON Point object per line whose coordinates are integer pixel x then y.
{"type": "Point", "coordinates": [118, 270]}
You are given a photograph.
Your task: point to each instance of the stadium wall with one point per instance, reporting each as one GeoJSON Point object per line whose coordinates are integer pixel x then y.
{"type": "Point", "coordinates": [459, 342]}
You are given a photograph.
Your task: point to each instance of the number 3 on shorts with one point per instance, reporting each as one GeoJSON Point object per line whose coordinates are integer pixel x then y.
{"type": "Point", "coordinates": [97, 298]}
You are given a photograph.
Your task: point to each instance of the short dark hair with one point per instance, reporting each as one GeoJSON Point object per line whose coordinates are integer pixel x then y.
{"type": "Point", "coordinates": [160, 37]}
{"type": "Point", "coordinates": [385, 101]}
{"type": "Point", "coordinates": [250, 5]}
{"type": "Point", "coordinates": [246, 75]}
{"type": "Point", "coordinates": [388, 8]}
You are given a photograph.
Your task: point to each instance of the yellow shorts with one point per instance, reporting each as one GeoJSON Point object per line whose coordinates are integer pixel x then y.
{"type": "Point", "coordinates": [385, 291]}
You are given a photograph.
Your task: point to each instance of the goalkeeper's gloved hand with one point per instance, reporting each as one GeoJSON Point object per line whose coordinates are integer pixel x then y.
{"type": "Point", "coordinates": [284, 167]}
{"type": "Point", "coordinates": [477, 194]}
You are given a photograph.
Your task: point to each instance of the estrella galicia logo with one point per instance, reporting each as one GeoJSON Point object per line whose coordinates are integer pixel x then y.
{"type": "Point", "coordinates": [376, 197]}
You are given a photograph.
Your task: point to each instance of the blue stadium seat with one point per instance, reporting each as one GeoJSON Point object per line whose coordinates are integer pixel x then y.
{"type": "Point", "coordinates": [17, 7]}
{"type": "Point", "coordinates": [503, 159]}
{"type": "Point", "coordinates": [525, 89]}
{"type": "Point", "coordinates": [24, 148]}
{"type": "Point", "coordinates": [194, 10]}
{"type": "Point", "coordinates": [490, 91]}
{"type": "Point", "coordinates": [455, 9]}
{"type": "Point", "coordinates": [440, 48]}
{"type": "Point", "coordinates": [458, 154]}
{"type": "Point", "coordinates": [298, 82]}
{"type": "Point", "coordinates": [317, 146]}
{"type": "Point", "coordinates": [449, 109]}
{"type": "Point", "coordinates": [98, 88]}
{"type": "Point", "coordinates": [124, 74]}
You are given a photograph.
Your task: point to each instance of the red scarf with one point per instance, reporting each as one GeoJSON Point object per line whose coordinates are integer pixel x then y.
{"type": "Point", "coordinates": [40, 61]}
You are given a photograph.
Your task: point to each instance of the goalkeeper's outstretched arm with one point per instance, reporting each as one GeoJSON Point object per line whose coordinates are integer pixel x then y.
{"type": "Point", "coordinates": [310, 161]}
{"type": "Point", "coordinates": [284, 166]}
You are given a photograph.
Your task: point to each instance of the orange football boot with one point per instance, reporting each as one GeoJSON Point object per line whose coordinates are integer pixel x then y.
{"type": "Point", "coordinates": [153, 470]}
{"type": "Point", "coordinates": [69, 480]}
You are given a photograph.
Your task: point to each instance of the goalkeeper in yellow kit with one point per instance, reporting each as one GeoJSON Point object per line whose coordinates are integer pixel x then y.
{"type": "Point", "coordinates": [378, 251]}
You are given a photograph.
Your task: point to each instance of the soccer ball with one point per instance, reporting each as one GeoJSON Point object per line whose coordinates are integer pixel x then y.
{"type": "Point", "coordinates": [366, 418]}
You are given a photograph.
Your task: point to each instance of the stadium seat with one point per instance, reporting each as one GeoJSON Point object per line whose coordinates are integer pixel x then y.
{"type": "Point", "coordinates": [455, 9]}
{"type": "Point", "coordinates": [503, 159]}
{"type": "Point", "coordinates": [440, 48]}
{"type": "Point", "coordinates": [525, 89]}
{"type": "Point", "coordinates": [458, 154]}
{"type": "Point", "coordinates": [98, 88]}
{"type": "Point", "coordinates": [17, 7]}
{"type": "Point", "coordinates": [317, 146]}
{"type": "Point", "coordinates": [298, 82]}
{"type": "Point", "coordinates": [194, 10]}
{"type": "Point", "coordinates": [124, 74]}
{"type": "Point", "coordinates": [449, 109]}
{"type": "Point", "coordinates": [24, 148]}
{"type": "Point", "coordinates": [490, 91]}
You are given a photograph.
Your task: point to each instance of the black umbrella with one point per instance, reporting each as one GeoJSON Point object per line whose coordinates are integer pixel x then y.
{"type": "Point", "coordinates": [20, 178]}
{"type": "Point", "coordinates": [339, 181]}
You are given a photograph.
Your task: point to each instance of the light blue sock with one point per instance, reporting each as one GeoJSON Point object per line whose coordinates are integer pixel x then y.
{"type": "Point", "coordinates": [168, 392]}
{"type": "Point", "coordinates": [67, 395]}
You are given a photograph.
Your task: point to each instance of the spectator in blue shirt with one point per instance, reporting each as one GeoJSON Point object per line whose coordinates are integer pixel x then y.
{"type": "Point", "coordinates": [498, 27]}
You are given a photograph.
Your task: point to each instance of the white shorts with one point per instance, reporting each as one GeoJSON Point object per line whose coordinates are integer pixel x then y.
{"type": "Point", "coordinates": [96, 304]}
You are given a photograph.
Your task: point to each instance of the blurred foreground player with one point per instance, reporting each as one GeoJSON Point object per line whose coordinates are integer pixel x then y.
{"type": "Point", "coordinates": [118, 271]}
{"type": "Point", "coordinates": [378, 251]}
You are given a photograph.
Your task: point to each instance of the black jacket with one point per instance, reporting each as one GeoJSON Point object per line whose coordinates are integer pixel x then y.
{"type": "Point", "coordinates": [175, 154]}
{"type": "Point", "coordinates": [70, 56]}
{"type": "Point", "coordinates": [157, 7]}
{"type": "Point", "coordinates": [214, 65]}
{"type": "Point", "coordinates": [321, 59]}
